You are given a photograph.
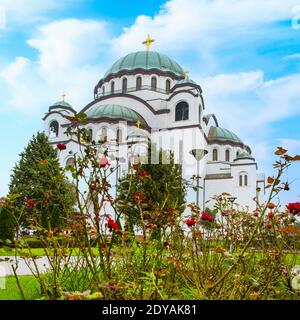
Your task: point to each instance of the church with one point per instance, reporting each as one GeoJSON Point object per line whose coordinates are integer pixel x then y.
{"type": "Point", "coordinates": [147, 96]}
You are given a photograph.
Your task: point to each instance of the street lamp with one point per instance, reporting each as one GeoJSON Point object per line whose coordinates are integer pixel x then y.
{"type": "Point", "coordinates": [198, 154]}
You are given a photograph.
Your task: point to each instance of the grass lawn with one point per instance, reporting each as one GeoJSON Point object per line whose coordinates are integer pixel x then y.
{"type": "Point", "coordinates": [29, 285]}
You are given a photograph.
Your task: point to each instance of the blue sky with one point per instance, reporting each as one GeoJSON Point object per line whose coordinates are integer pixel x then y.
{"type": "Point", "coordinates": [245, 54]}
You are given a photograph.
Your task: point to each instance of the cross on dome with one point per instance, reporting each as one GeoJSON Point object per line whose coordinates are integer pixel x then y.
{"type": "Point", "coordinates": [186, 74]}
{"type": "Point", "coordinates": [63, 95]}
{"type": "Point", "coordinates": [148, 42]}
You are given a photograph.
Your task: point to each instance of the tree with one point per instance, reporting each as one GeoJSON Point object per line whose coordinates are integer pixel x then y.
{"type": "Point", "coordinates": [39, 186]}
{"type": "Point", "coordinates": [156, 189]}
{"type": "Point", "coordinates": [7, 224]}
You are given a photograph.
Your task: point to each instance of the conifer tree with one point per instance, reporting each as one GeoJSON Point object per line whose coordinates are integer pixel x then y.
{"type": "Point", "coordinates": [39, 186]}
{"type": "Point", "coordinates": [158, 189]}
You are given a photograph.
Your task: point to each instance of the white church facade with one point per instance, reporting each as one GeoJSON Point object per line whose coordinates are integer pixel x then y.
{"type": "Point", "coordinates": [147, 96]}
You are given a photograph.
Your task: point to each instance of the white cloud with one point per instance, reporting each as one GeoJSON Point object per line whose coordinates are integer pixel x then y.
{"type": "Point", "coordinates": [24, 11]}
{"type": "Point", "coordinates": [69, 59]}
{"type": "Point", "coordinates": [292, 56]}
{"type": "Point", "coordinates": [293, 146]}
{"type": "Point", "coordinates": [202, 24]}
{"type": "Point", "coordinates": [69, 43]}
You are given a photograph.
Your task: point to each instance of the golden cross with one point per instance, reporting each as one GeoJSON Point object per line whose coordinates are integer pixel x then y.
{"type": "Point", "coordinates": [138, 123]}
{"type": "Point", "coordinates": [186, 74]}
{"type": "Point", "coordinates": [148, 42]}
{"type": "Point", "coordinates": [63, 95]}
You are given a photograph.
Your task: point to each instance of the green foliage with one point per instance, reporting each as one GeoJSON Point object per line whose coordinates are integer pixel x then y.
{"type": "Point", "coordinates": [7, 223]}
{"type": "Point", "coordinates": [38, 176]}
{"type": "Point", "coordinates": [156, 188]}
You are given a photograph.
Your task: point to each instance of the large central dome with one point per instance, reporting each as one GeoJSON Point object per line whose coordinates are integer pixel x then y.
{"type": "Point", "coordinates": [147, 60]}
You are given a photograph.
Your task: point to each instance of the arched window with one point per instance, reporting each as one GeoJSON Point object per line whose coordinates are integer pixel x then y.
{"type": "Point", "coordinates": [70, 162]}
{"type": "Point", "coordinates": [90, 135]}
{"type": "Point", "coordinates": [138, 83]}
{"type": "Point", "coordinates": [53, 129]}
{"type": "Point", "coordinates": [103, 90]}
{"type": "Point", "coordinates": [119, 135]}
{"type": "Point", "coordinates": [227, 155]}
{"type": "Point", "coordinates": [237, 153]}
{"type": "Point", "coordinates": [215, 155]}
{"type": "Point", "coordinates": [182, 111]}
{"type": "Point", "coordinates": [243, 179]}
{"type": "Point", "coordinates": [124, 85]}
{"type": "Point", "coordinates": [168, 86]}
{"type": "Point", "coordinates": [103, 135]}
{"type": "Point", "coordinates": [112, 87]}
{"type": "Point", "coordinates": [153, 83]}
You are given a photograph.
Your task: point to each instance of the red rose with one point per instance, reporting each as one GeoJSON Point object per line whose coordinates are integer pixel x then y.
{"type": "Point", "coordinates": [294, 208]}
{"type": "Point", "coordinates": [207, 217]}
{"type": "Point", "coordinates": [271, 205]}
{"type": "Point", "coordinates": [138, 196]}
{"type": "Point", "coordinates": [61, 146]}
{"type": "Point", "coordinates": [31, 203]}
{"type": "Point", "coordinates": [103, 162]}
{"type": "Point", "coordinates": [143, 174]}
{"type": "Point", "coordinates": [112, 224]}
{"type": "Point", "coordinates": [190, 222]}
{"type": "Point", "coordinates": [271, 215]}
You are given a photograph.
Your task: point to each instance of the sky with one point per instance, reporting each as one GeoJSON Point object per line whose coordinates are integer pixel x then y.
{"type": "Point", "coordinates": [245, 54]}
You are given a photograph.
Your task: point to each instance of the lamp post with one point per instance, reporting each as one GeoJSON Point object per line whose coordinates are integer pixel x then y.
{"type": "Point", "coordinates": [198, 154]}
{"type": "Point", "coordinates": [231, 200]}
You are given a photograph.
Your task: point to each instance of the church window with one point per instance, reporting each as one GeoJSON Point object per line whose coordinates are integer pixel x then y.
{"type": "Point", "coordinates": [90, 135]}
{"type": "Point", "coordinates": [237, 153]}
{"type": "Point", "coordinates": [53, 130]}
{"type": "Point", "coordinates": [70, 162]}
{"type": "Point", "coordinates": [153, 83]}
{"type": "Point", "coordinates": [215, 155]}
{"type": "Point", "coordinates": [227, 155]}
{"type": "Point", "coordinates": [103, 135]}
{"type": "Point", "coordinates": [138, 83]}
{"type": "Point", "coordinates": [243, 179]}
{"type": "Point", "coordinates": [119, 136]}
{"type": "Point", "coordinates": [168, 86]}
{"type": "Point", "coordinates": [182, 111]}
{"type": "Point", "coordinates": [124, 85]}
{"type": "Point", "coordinates": [103, 90]}
{"type": "Point", "coordinates": [112, 87]}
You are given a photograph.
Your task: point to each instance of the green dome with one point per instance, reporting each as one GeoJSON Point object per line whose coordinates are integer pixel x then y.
{"type": "Point", "coordinates": [186, 81]}
{"type": "Point", "coordinates": [217, 133]}
{"type": "Point", "coordinates": [113, 111]}
{"type": "Point", "coordinates": [62, 104]}
{"type": "Point", "coordinates": [147, 60]}
{"type": "Point", "coordinates": [244, 155]}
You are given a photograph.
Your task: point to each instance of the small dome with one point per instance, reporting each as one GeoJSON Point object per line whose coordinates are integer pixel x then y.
{"type": "Point", "coordinates": [62, 104]}
{"type": "Point", "coordinates": [186, 81]}
{"type": "Point", "coordinates": [114, 111]}
{"type": "Point", "coordinates": [244, 155]}
{"type": "Point", "coordinates": [147, 60]}
{"type": "Point", "coordinates": [217, 133]}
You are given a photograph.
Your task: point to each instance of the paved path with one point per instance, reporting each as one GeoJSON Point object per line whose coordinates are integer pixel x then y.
{"type": "Point", "coordinates": [6, 263]}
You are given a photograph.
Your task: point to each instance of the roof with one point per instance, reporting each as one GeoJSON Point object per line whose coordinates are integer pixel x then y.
{"type": "Point", "coordinates": [62, 104]}
{"type": "Point", "coordinates": [244, 155]}
{"type": "Point", "coordinates": [113, 111]}
{"type": "Point", "coordinates": [217, 133]}
{"type": "Point", "coordinates": [186, 81]}
{"type": "Point", "coordinates": [147, 60]}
